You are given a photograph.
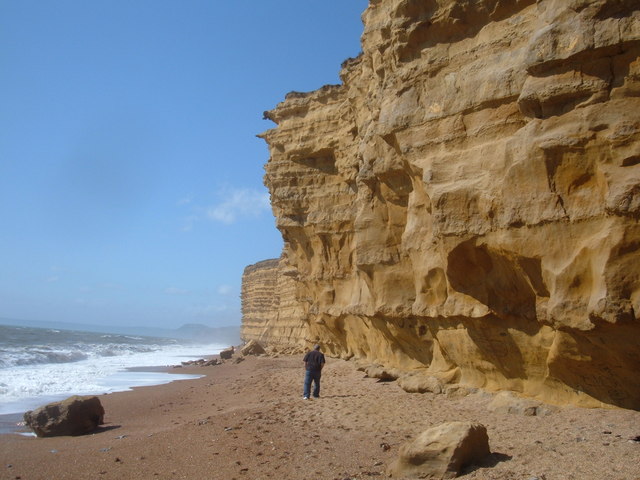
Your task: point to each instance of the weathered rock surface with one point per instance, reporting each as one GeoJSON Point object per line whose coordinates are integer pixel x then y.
{"type": "Point", "coordinates": [227, 353]}
{"type": "Point", "coordinates": [507, 402]}
{"type": "Point", "coordinates": [381, 373]}
{"type": "Point", "coordinates": [467, 201]}
{"type": "Point", "coordinates": [271, 313]}
{"type": "Point", "coordinates": [252, 348]}
{"type": "Point", "coordinates": [442, 452]}
{"type": "Point", "coordinates": [200, 363]}
{"type": "Point", "coordinates": [419, 383]}
{"type": "Point", "coordinates": [74, 416]}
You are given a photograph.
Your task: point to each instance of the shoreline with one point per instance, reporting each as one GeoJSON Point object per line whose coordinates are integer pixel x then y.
{"type": "Point", "coordinates": [248, 420]}
{"type": "Point", "coordinates": [9, 422]}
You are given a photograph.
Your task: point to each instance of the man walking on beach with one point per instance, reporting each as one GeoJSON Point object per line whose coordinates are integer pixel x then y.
{"type": "Point", "coordinates": [313, 363]}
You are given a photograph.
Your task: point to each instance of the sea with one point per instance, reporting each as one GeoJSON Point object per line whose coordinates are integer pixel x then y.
{"type": "Point", "coordinates": [41, 365]}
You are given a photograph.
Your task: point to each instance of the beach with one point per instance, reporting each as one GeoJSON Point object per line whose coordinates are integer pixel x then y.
{"type": "Point", "coordinates": [248, 420]}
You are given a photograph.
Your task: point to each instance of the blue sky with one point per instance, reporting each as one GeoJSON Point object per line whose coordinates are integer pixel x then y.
{"type": "Point", "coordinates": [130, 173]}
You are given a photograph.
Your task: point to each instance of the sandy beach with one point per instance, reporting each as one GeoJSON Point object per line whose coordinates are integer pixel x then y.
{"type": "Point", "coordinates": [248, 420]}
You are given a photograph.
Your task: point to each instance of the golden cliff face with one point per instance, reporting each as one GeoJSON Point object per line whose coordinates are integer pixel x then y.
{"type": "Point", "coordinates": [271, 314]}
{"type": "Point", "coordinates": [466, 204]}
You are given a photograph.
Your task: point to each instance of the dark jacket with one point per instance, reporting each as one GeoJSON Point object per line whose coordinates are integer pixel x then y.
{"type": "Point", "coordinates": [314, 360]}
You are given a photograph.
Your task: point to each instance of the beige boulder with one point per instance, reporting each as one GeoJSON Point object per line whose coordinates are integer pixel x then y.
{"type": "Point", "coordinates": [420, 383]}
{"type": "Point", "coordinates": [442, 452]}
{"type": "Point", "coordinates": [252, 348]}
{"type": "Point", "coordinates": [507, 402]}
{"type": "Point", "coordinates": [381, 373]}
{"type": "Point", "coordinates": [74, 416]}
{"type": "Point", "coordinates": [458, 391]}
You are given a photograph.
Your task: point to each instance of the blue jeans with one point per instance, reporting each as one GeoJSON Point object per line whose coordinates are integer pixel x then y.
{"type": "Point", "coordinates": [309, 376]}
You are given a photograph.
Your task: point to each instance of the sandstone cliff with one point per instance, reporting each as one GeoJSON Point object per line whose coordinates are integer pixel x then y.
{"type": "Point", "coordinates": [466, 203]}
{"type": "Point", "coordinates": [271, 313]}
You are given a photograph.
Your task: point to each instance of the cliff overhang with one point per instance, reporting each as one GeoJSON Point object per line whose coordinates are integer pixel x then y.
{"type": "Point", "coordinates": [466, 204]}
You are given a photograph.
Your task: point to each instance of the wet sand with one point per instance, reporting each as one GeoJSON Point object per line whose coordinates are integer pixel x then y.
{"type": "Point", "coordinates": [248, 421]}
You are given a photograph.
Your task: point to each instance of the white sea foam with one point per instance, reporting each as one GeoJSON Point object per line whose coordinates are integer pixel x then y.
{"type": "Point", "coordinates": [29, 379]}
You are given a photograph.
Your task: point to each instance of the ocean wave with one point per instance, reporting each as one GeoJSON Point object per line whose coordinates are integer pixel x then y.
{"type": "Point", "coordinates": [37, 357]}
{"type": "Point", "coordinates": [38, 365]}
{"type": "Point", "coordinates": [18, 358]}
{"type": "Point", "coordinates": [101, 372]}
{"type": "Point", "coordinates": [42, 355]}
{"type": "Point", "coordinates": [116, 350]}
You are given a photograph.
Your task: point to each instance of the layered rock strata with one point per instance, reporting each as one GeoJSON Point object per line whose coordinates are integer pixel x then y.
{"type": "Point", "coordinates": [466, 203]}
{"type": "Point", "coordinates": [271, 313]}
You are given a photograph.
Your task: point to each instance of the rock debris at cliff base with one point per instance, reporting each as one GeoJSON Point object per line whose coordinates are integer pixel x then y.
{"type": "Point", "coordinates": [466, 204]}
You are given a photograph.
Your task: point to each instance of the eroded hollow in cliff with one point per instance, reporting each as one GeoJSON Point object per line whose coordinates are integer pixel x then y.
{"type": "Point", "coordinates": [467, 201]}
{"type": "Point", "coordinates": [505, 282]}
{"type": "Point", "coordinates": [324, 161]}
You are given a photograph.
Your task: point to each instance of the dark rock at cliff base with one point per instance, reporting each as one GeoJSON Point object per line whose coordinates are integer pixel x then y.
{"type": "Point", "coordinates": [74, 416]}
{"type": "Point", "coordinates": [227, 353]}
{"type": "Point", "coordinates": [200, 363]}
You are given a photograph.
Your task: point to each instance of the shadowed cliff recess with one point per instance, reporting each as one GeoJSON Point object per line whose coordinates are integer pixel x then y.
{"type": "Point", "coordinates": [464, 207]}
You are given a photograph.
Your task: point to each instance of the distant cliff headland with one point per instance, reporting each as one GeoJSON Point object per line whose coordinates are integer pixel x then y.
{"type": "Point", "coordinates": [464, 208]}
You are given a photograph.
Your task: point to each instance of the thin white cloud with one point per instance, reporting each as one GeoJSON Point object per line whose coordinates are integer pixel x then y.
{"type": "Point", "coordinates": [175, 291]}
{"type": "Point", "coordinates": [239, 203]}
{"type": "Point", "coordinates": [185, 200]}
{"type": "Point", "coordinates": [54, 274]}
{"type": "Point", "coordinates": [234, 204]}
{"type": "Point", "coordinates": [224, 290]}
{"type": "Point", "coordinates": [189, 222]}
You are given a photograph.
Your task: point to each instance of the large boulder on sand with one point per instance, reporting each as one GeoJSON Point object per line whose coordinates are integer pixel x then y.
{"type": "Point", "coordinates": [381, 373]}
{"type": "Point", "coordinates": [74, 416]}
{"type": "Point", "coordinates": [442, 452]}
{"type": "Point", "coordinates": [227, 353]}
{"type": "Point", "coordinates": [508, 402]}
{"type": "Point", "coordinates": [420, 383]}
{"type": "Point", "coordinates": [252, 348]}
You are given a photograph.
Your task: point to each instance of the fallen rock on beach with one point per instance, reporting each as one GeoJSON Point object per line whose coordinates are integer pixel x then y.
{"type": "Point", "coordinates": [252, 348]}
{"type": "Point", "coordinates": [201, 363]}
{"type": "Point", "coordinates": [442, 452]}
{"type": "Point", "coordinates": [508, 402]}
{"type": "Point", "coordinates": [76, 415]}
{"type": "Point", "coordinates": [227, 353]}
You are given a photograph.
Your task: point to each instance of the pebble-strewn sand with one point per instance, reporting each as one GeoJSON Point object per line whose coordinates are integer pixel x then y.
{"type": "Point", "coordinates": [248, 421]}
